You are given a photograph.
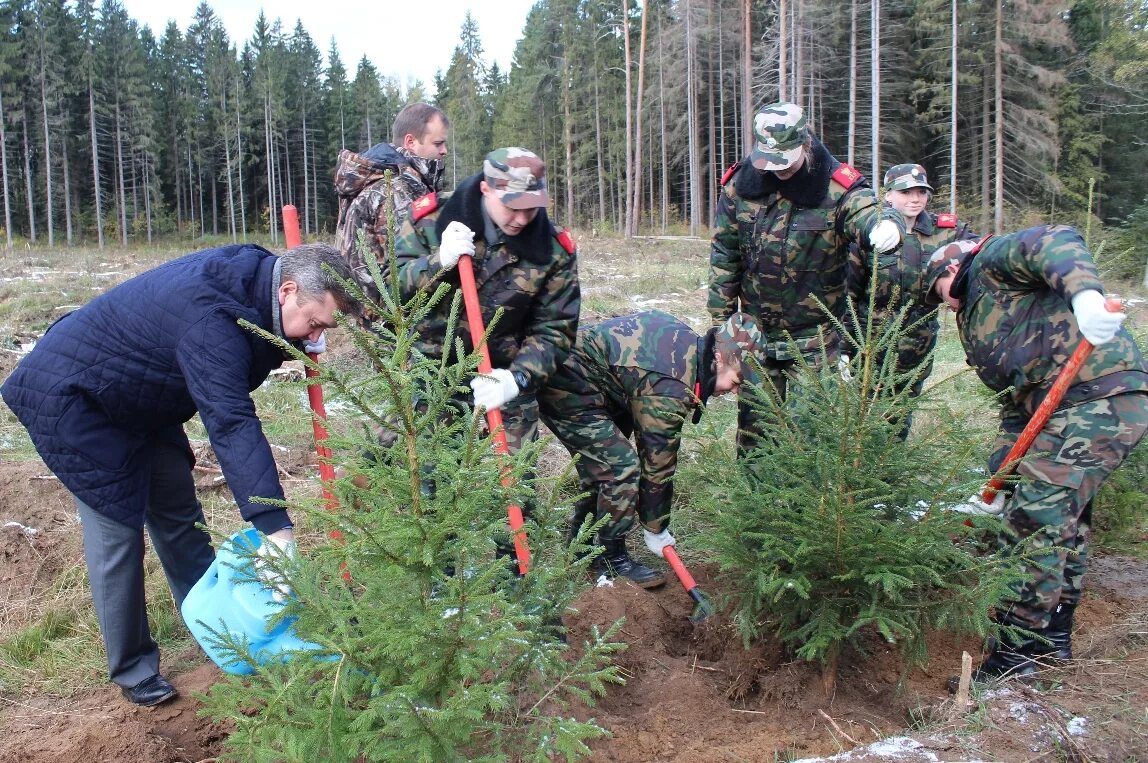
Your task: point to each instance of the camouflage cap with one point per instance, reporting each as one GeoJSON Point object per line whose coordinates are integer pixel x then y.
{"type": "Point", "coordinates": [949, 254]}
{"type": "Point", "coordinates": [902, 177]}
{"type": "Point", "coordinates": [517, 177]}
{"type": "Point", "coordinates": [740, 335]}
{"type": "Point", "coordinates": [778, 134]}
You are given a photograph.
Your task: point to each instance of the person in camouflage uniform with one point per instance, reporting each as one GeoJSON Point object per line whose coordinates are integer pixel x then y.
{"type": "Point", "coordinates": [523, 264]}
{"type": "Point", "coordinates": [785, 218]}
{"type": "Point", "coordinates": [415, 165]}
{"type": "Point", "coordinates": [1024, 301]}
{"type": "Point", "coordinates": [899, 275]}
{"type": "Point", "coordinates": [641, 375]}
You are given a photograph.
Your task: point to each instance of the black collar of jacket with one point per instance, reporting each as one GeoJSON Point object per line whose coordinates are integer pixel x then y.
{"type": "Point", "coordinates": [465, 205]}
{"type": "Point", "coordinates": [706, 376]}
{"type": "Point", "coordinates": [807, 188]}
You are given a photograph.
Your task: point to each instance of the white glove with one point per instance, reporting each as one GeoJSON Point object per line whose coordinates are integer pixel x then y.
{"type": "Point", "coordinates": [494, 390]}
{"type": "Point", "coordinates": [319, 346]}
{"type": "Point", "coordinates": [977, 506]}
{"type": "Point", "coordinates": [657, 542]}
{"type": "Point", "coordinates": [1095, 322]}
{"type": "Point", "coordinates": [884, 236]}
{"type": "Point", "coordinates": [457, 240]}
{"type": "Point", "coordinates": [276, 552]}
{"type": "Point", "coordinates": [843, 368]}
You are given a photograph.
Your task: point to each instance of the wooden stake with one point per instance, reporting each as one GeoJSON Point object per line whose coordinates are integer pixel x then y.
{"type": "Point", "coordinates": [966, 679]}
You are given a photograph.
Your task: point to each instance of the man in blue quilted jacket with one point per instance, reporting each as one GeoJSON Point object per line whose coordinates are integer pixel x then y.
{"type": "Point", "coordinates": [106, 391]}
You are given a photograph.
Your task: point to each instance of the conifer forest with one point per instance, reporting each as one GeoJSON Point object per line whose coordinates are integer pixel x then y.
{"type": "Point", "coordinates": [1021, 110]}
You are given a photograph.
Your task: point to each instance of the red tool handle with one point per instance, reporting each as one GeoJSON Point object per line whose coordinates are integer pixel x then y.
{"type": "Point", "coordinates": [680, 570]}
{"type": "Point", "coordinates": [1044, 411]}
{"type": "Point", "coordinates": [314, 391]}
{"type": "Point", "coordinates": [493, 418]}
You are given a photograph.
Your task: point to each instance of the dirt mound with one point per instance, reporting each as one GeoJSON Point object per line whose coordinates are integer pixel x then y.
{"type": "Point", "coordinates": [99, 726]}
{"type": "Point", "coordinates": [695, 693]}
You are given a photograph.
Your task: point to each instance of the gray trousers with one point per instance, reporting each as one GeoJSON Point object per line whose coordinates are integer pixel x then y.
{"type": "Point", "coordinates": [114, 553]}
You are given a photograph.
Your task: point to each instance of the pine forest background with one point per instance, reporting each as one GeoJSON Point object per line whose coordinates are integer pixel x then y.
{"type": "Point", "coordinates": [1022, 111]}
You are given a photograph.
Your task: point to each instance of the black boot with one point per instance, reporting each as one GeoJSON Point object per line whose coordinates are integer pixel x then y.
{"type": "Point", "coordinates": [615, 560]}
{"type": "Point", "coordinates": [1010, 656]}
{"type": "Point", "coordinates": [1059, 632]}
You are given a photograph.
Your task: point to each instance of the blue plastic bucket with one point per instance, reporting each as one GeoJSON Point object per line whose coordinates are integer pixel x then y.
{"type": "Point", "coordinates": [228, 600]}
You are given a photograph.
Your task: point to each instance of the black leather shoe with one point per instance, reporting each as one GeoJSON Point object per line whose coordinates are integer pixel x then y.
{"type": "Point", "coordinates": [150, 691]}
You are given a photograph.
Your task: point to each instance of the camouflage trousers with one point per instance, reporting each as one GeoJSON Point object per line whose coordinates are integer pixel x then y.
{"type": "Point", "coordinates": [597, 433]}
{"type": "Point", "coordinates": [1067, 463]}
{"type": "Point", "coordinates": [779, 362]}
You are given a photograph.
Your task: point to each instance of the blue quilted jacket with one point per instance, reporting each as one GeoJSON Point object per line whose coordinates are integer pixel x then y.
{"type": "Point", "coordinates": [137, 362]}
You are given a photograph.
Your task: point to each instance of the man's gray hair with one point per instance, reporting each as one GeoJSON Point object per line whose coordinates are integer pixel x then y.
{"type": "Point", "coordinates": [413, 120]}
{"type": "Point", "coordinates": [317, 269]}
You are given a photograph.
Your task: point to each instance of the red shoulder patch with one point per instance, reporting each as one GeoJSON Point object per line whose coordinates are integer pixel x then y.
{"type": "Point", "coordinates": [733, 168]}
{"type": "Point", "coordinates": [846, 175]}
{"type": "Point", "coordinates": [565, 240]}
{"type": "Point", "coordinates": [423, 206]}
{"type": "Point", "coordinates": [947, 220]}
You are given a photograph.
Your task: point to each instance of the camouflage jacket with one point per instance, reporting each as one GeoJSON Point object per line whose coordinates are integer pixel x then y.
{"type": "Point", "coordinates": [1017, 326]}
{"type": "Point", "coordinates": [646, 367]}
{"type": "Point", "coordinates": [901, 273]}
{"type": "Point", "coordinates": [361, 185]}
{"type": "Point", "coordinates": [779, 244]}
{"type": "Point", "coordinates": [532, 277]}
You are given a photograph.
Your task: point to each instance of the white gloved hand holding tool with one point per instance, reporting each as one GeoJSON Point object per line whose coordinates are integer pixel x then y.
{"type": "Point", "coordinates": [657, 542]}
{"type": "Point", "coordinates": [884, 236]}
{"type": "Point", "coordinates": [457, 240]}
{"type": "Point", "coordinates": [494, 390]}
{"type": "Point", "coordinates": [978, 506]}
{"type": "Point", "coordinates": [1095, 322]}
{"type": "Point", "coordinates": [274, 554]}
{"type": "Point", "coordinates": [319, 346]}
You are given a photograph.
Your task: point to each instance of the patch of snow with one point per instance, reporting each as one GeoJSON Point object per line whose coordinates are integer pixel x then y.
{"type": "Point", "coordinates": [603, 581]}
{"type": "Point", "coordinates": [640, 302]}
{"type": "Point", "coordinates": [31, 532]}
{"type": "Point", "coordinates": [1076, 726]}
{"type": "Point", "coordinates": [893, 748]}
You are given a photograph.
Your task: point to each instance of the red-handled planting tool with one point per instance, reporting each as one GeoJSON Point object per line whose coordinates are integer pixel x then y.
{"type": "Point", "coordinates": [493, 418]}
{"type": "Point", "coordinates": [702, 606]}
{"type": "Point", "coordinates": [1044, 411]}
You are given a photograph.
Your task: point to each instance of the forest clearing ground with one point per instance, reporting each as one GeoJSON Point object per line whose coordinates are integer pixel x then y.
{"type": "Point", "coordinates": [692, 693]}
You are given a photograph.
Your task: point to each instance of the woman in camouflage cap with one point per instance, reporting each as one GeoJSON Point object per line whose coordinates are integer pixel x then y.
{"type": "Point", "coordinates": [899, 276]}
{"type": "Point", "coordinates": [641, 375]}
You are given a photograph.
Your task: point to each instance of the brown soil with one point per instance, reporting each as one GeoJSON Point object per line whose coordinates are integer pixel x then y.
{"type": "Point", "coordinates": [692, 692]}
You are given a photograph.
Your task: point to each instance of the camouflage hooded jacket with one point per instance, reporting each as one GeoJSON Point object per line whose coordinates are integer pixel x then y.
{"type": "Point", "coordinates": [646, 366]}
{"type": "Point", "coordinates": [779, 244]}
{"type": "Point", "coordinates": [901, 274]}
{"type": "Point", "coordinates": [361, 186]}
{"type": "Point", "coordinates": [533, 277]}
{"type": "Point", "coordinates": [1017, 326]}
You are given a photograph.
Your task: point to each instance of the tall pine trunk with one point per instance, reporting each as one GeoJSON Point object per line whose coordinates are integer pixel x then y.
{"type": "Point", "coordinates": [694, 171]}
{"type": "Point", "coordinates": [28, 180]}
{"type": "Point", "coordinates": [953, 117]}
{"type": "Point", "coordinates": [998, 107]}
{"type": "Point", "coordinates": [851, 151]}
{"type": "Point", "coordinates": [95, 163]}
{"type": "Point", "coordinates": [875, 84]}
{"type": "Point", "coordinates": [4, 173]}
{"type": "Point", "coordinates": [747, 78]}
{"type": "Point", "coordinates": [121, 197]}
{"type": "Point", "coordinates": [628, 224]}
{"type": "Point", "coordinates": [782, 50]}
{"type": "Point", "coordinates": [636, 206]}
{"type": "Point", "coordinates": [47, 146]}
